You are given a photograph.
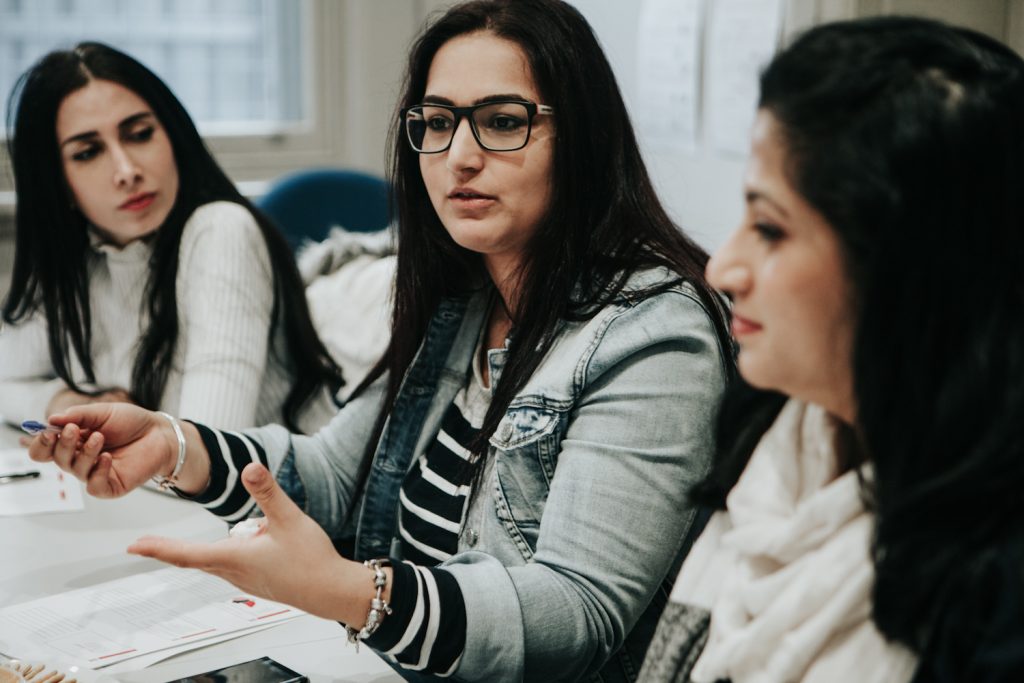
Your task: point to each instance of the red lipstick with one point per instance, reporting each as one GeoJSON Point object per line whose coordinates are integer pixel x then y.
{"type": "Point", "coordinates": [741, 326]}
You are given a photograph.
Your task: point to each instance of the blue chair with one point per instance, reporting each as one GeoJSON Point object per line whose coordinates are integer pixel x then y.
{"type": "Point", "coordinates": [307, 204]}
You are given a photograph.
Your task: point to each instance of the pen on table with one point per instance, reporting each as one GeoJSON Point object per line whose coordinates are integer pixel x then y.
{"type": "Point", "coordinates": [8, 477]}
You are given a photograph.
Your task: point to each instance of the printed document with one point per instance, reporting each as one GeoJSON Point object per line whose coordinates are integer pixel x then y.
{"type": "Point", "coordinates": [173, 608]}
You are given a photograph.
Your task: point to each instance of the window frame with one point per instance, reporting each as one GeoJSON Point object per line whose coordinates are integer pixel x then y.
{"type": "Point", "coordinates": [252, 157]}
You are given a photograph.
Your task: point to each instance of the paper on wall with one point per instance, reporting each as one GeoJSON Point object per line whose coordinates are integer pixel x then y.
{"type": "Point", "coordinates": [668, 74]}
{"type": "Point", "coordinates": [743, 37]}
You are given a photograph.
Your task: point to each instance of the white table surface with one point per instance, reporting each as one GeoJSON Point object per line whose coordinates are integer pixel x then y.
{"type": "Point", "coordinates": [42, 555]}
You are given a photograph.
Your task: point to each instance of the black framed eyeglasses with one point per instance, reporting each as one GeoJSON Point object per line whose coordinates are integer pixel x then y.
{"type": "Point", "coordinates": [502, 126]}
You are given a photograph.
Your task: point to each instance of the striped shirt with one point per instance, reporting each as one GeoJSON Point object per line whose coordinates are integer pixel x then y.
{"type": "Point", "coordinates": [426, 600]}
{"type": "Point", "coordinates": [434, 494]}
{"type": "Point", "coordinates": [433, 501]}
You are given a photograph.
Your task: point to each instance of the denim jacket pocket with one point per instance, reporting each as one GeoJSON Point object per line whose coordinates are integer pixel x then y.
{"type": "Point", "coordinates": [525, 448]}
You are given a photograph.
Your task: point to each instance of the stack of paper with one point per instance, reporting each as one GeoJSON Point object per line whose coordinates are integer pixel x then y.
{"type": "Point", "coordinates": [166, 611]}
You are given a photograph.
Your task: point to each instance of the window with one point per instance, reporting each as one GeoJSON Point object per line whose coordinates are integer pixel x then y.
{"type": "Point", "coordinates": [324, 90]}
{"type": "Point", "coordinates": [235, 64]}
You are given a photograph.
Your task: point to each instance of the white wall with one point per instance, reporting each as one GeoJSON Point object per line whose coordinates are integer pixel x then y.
{"type": "Point", "coordinates": [703, 192]}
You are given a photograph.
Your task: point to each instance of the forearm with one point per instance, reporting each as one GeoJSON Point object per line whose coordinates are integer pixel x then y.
{"type": "Point", "coordinates": [426, 630]}
{"type": "Point", "coordinates": [68, 398]}
{"type": "Point", "coordinates": [22, 400]}
{"type": "Point", "coordinates": [27, 380]}
{"type": "Point", "coordinates": [194, 476]}
{"type": "Point", "coordinates": [343, 590]}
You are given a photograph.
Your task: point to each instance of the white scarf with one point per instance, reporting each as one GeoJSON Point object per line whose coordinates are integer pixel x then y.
{"type": "Point", "coordinates": [786, 570]}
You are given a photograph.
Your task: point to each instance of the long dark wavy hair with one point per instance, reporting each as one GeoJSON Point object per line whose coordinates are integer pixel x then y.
{"type": "Point", "coordinates": [908, 136]}
{"type": "Point", "coordinates": [605, 221]}
{"type": "Point", "coordinates": [56, 280]}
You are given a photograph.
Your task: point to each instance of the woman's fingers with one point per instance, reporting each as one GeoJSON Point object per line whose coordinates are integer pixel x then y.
{"type": "Point", "coordinates": [64, 449]}
{"type": "Point", "coordinates": [275, 503]}
{"type": "Point", "coordinates": [99, 484]}
{"type": "Point", "coordinates": [211, 557]}
{"type": "Point", "coordinates": [40, 448]}
{"type": "Point", "coordinates": [85, 458]}
{"type": "Point", "coordinates": [75, 450]}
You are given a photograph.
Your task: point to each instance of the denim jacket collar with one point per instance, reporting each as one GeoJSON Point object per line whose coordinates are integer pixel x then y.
{"type": "Point", "coordinates": [444, 352]}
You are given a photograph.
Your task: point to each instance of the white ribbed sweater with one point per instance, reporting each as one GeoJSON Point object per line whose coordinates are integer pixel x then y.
{"type": "Point", "coordinates": [227, 370]}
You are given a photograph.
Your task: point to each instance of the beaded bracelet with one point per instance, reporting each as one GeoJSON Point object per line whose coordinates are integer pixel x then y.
{"type": "Point", "coordinates": [378, 608]}
{"type": "Point", "coordinates": [165, 483]}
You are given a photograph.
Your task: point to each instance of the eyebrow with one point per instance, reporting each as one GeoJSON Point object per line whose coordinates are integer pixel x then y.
{"type": "Point", "coordinates": [437, 99]}
{"type": "Point", "coordinates": [128, 122]}
{"type": "Point", "coordinates": [753, 196]}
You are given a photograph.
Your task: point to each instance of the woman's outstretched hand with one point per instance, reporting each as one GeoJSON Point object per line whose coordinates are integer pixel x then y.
{"type": "Point", "coordinates": [290, 560]}
{"type": "Point", "coordinates": [112, 447]}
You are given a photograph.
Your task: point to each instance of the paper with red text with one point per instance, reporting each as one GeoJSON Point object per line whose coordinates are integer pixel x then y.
{"type": "Point", "coordinates": [50, 491]}
{"type": "Point", "coordinates": [138, 615]}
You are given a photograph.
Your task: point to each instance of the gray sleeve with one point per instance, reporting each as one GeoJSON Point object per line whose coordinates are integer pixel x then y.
{"type": "Point", "coordinates": [319, 472]}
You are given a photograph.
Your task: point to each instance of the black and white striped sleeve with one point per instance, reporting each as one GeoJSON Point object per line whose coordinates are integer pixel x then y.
{"type": "Point", "coordinates": [426, 603]}
{"type": "Point", "coordinates": [230, 452]}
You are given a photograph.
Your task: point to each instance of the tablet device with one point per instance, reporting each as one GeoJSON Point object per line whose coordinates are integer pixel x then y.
{"type": "Point", "coordinates": [263, 670]}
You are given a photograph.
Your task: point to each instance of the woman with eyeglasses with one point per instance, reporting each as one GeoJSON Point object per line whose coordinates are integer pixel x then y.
{"type": "Point", "coordinates": [868, 523]}
{"type": "Point", "coordinates": [513, 470]}
{"type": "Point", "coordinates": [140, 272]}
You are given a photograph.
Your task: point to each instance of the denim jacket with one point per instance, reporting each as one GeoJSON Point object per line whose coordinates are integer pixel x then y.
{"type": "Point", "coordinates": [567, 554]}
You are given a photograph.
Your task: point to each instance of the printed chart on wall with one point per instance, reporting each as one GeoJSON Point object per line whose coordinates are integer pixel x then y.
{"type": "Point", "coordinates": [668, 73]}
{"type": "Point", "coordinates": [743, 36]}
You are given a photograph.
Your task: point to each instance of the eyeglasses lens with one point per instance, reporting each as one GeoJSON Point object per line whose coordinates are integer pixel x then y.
{"type": "Point", "coordinates": [499, 126]}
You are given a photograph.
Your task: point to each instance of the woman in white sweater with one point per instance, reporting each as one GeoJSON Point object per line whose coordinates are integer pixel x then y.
{"type": "Point", "coordinates": [140, 273]}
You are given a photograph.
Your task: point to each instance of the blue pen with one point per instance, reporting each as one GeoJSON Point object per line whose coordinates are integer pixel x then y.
{"type": "Point", "coordinates": [33, 427]}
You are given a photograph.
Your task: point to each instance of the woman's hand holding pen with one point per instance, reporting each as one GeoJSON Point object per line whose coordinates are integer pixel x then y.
{"type": "Point", "coordinates": [67, 398]}
{"type": "Point", "coordinates": [124, 446]}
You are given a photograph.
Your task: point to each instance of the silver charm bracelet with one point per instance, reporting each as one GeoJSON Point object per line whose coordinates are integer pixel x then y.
{"type": "Point", "coordinates": [378, 608]}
